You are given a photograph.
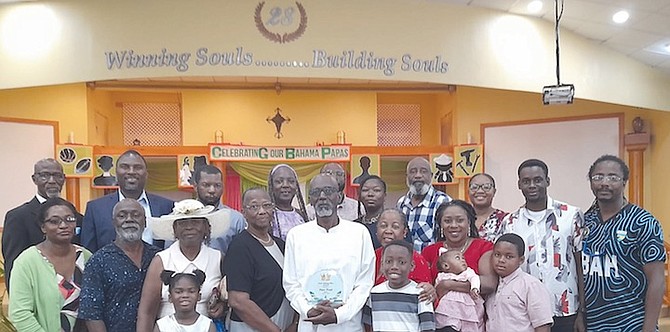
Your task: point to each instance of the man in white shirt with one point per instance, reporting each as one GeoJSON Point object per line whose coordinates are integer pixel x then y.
{"type": "Point", "coordinates": [347, 208]}
{"type": "Point", "coordinates": [552, 231]}
{"type": "Point", "coordinates": [331, 246]}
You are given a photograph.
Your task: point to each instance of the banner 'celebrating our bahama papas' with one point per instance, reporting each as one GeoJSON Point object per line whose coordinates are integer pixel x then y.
{"type": "Point", "coordinates": [230, 152]}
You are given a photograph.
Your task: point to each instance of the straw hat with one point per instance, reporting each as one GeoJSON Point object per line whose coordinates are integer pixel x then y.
{"type": "Point", "coordinates": [162, 229]}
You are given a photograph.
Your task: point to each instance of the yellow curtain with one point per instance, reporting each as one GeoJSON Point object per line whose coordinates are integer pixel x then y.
{"type": "Point", "coordinates": [162, 174]}
{"type": "Point", "coordinates": [248, 184]}
{"type": "Point", "coordinates": [394, 174]}
{"type": "Point", "coordinates": [256, 174]}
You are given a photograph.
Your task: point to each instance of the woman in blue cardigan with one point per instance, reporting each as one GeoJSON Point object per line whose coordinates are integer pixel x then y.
{"type": "Point", "coordinates": [46, 277]}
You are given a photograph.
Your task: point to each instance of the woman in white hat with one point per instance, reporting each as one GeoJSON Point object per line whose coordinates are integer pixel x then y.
{"type": "Point", "coordinates": [192, 224]}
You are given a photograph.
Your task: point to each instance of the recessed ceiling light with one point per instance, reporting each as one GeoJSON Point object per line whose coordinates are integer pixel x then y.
{"type": "Point", "coordinates": [534, 6]}
{"type": "Point", "coordinates": [620, 16]}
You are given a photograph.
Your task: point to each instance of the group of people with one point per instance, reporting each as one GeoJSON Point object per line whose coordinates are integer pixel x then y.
{"type": "Point", "coordinates": [333, 263]}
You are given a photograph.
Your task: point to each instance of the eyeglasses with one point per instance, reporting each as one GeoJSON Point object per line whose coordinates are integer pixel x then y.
{"type": "Point", "coordinates": [606, 178]}
{"type": "Point", "coordinates": [326, 190]}
{"type": "Point", "coordinates": [56, 221]}
{"type": "Point", "coordinates": [423, 171]}
{"type": "Point", "coordinates": [256, 208]}
{"type": "Point", "coordinates": [44, 176]}
{"type": "Point", "coordinates": [331, 173]}
{"type": "Point", "coordinates": [486, 187]}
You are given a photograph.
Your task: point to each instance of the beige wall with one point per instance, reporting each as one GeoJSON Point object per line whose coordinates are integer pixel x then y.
{"type": "Point", "coordinates": [482, 47]}
{"type": "Point", "coordinates": [657, 160]}
{"type": "Point", "coordinates": [316, 116]}
{"type": "Point", "coordinates": [101, 117]}
{"type": "Point", "coordinates": [431, 110]}
{"type": "Point", "coordinates": [477, 106]}
{"type": "Point", "coordinates": [66, 104]}
{"type": "Point", "coordinates": [241, 115]}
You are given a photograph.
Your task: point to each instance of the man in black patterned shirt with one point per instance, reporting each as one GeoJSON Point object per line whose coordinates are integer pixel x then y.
{"type": "Point", "coordinates": [114, 275]}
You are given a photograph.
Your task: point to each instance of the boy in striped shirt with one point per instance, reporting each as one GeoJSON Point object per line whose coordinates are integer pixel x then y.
{"type": "Point", "coordinates": [394, 304]}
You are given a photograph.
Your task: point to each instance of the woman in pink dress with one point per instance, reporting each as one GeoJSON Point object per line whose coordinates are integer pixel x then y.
{"type": "Point", "coordinates": [457, 310]}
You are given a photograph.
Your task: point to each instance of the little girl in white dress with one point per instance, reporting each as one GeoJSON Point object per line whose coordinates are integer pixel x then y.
{"type": "Point", "coordinates": [184, 294]}
{"type": "Point", "coordinates": [461, 311]}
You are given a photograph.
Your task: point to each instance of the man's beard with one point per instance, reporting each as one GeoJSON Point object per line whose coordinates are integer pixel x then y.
{"type": "Point", "coordinates": [213, 202]}
{"type": "Point", "coordinates": [418, 188]}
{"type": "Point", "coordinates": [324, 210]}
{"type": "Point", "coordinates": [52, 194]}
{"type": "Point", "coordinates": [130, 235]}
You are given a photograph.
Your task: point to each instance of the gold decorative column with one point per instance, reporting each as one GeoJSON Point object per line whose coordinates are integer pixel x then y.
{"type": "Point", "coordinates": [636, 143]}
{"type": "Point", "coordinates": [72, 192]}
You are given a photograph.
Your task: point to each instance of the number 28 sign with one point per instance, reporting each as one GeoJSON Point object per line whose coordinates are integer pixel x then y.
{"type": "Point", "coordinates": [281, 22]}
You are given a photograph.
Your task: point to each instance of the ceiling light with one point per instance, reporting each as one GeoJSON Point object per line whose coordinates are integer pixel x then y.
{"type": "Point", "coordinates": [29, 31]}
{"type": "Point", "coordinates": [534, 6]}
{"type": "Point", "coordinates": [620, 16]}
{"type": "Point", "coordinates": [667, 47]}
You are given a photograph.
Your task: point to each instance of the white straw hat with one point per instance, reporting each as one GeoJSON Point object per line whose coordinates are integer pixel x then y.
{"type": "Point", "coordinates": [162, 229]}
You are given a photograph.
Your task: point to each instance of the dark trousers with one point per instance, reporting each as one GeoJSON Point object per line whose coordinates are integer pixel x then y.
{"type": "Point", "coordinates": [564, 324]}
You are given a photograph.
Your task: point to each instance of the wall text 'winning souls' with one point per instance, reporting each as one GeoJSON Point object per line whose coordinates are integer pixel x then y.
{"type": "Point", "coordinates": [347, 59]}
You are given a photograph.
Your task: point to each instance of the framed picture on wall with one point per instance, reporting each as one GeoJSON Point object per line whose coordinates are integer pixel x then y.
{"type": "Point", "coordinates": [441, 165]}
{"type": "Point", "coordinates": [362, 166]}
{"type": "Point", "coordinates": [186, 166]}
{"type": "Point", "coordinates": [469, 160]}
{"type": "Point", "coordinates": [75, 159]}
{"type": "Point", "coordinates": [105, 172]}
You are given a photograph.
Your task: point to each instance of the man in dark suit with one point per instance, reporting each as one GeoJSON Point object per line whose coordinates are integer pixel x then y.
{"type": "Point", "coordinates": [22, 229]}
{"type": "Point", "coordinates": [131, 175]}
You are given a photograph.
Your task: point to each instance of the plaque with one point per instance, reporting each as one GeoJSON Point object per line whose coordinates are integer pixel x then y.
{"type": "Point", "coordinates": [325, 285]}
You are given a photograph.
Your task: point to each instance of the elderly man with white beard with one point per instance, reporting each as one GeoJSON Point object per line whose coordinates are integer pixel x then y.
{"type": "Point", "coordinates": [329, 265]}
{"type": "Point", "coordinates": [114, 275]}
{"type": "Point", "coordinates": [420, 204]}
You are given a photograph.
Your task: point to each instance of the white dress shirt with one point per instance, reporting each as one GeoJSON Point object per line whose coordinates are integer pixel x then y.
{"type": "Point", "coordinates": [345, 248]}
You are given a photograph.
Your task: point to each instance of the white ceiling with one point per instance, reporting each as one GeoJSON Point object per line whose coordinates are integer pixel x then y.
{"type": "Point", "coordinates": [643, 37]}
